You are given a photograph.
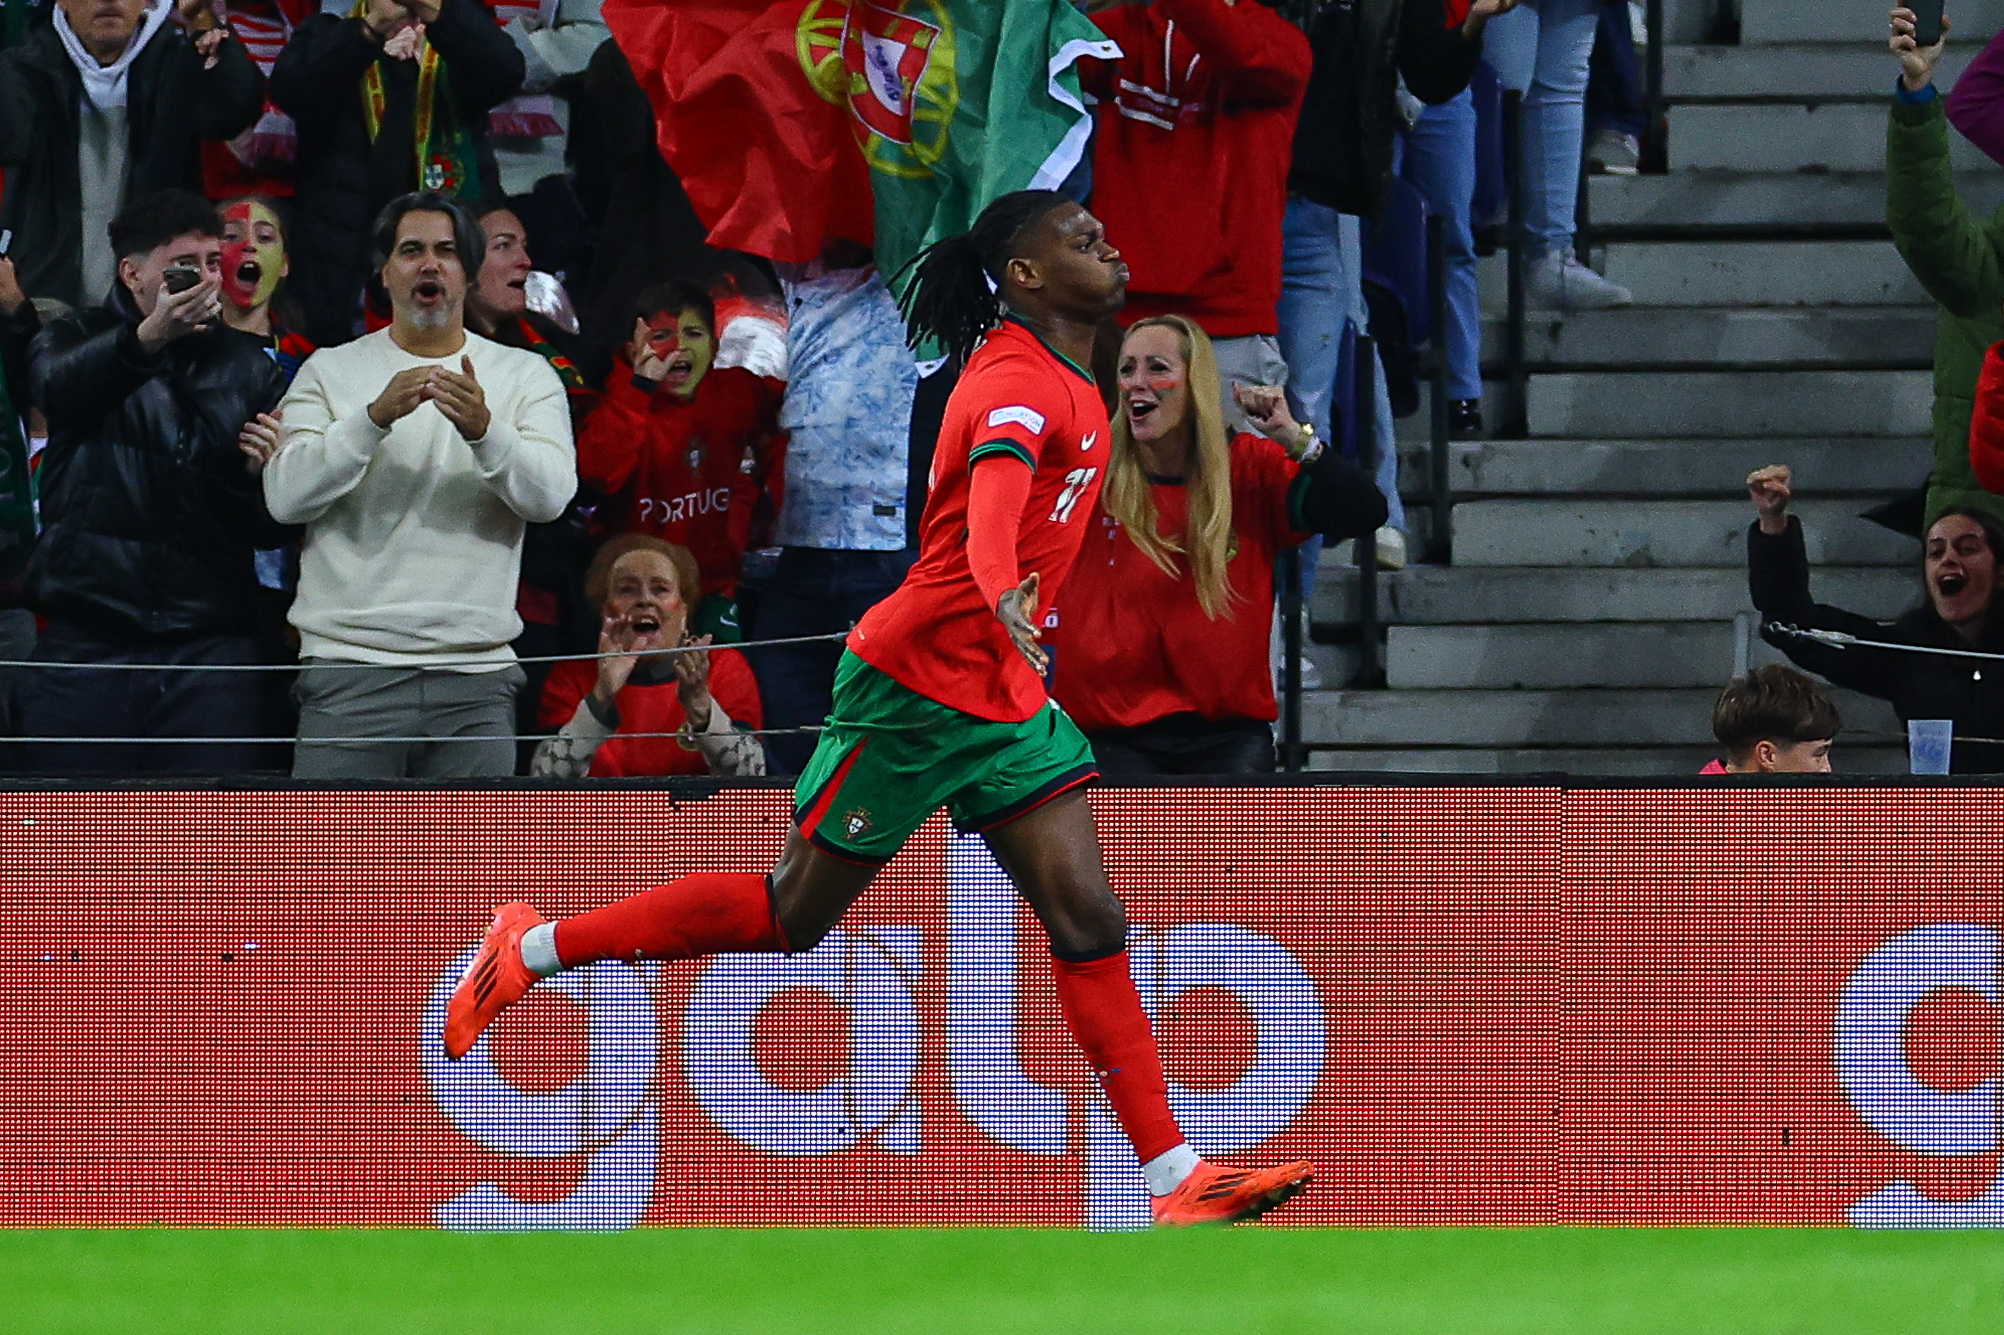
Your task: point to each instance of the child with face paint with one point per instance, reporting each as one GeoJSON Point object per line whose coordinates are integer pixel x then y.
{"type": "Point", "coordinates": [254, 266]}
{"type": "Point", "coordinates": [684, 451]}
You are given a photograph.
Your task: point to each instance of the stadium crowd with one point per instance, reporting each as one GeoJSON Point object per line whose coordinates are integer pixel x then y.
{"type": "Point", "coordinates": [382, 343]}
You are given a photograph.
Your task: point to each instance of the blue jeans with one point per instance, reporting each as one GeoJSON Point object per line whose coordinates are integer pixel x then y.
{"type": "Point", "coordinates": [1543, 50]}
{"type": "Point", "coordinates": [1322, 295]}
{"type": "Point", "coordinates": [813, 592]}
{"type": "Point", "coordinates": [1440, 162]}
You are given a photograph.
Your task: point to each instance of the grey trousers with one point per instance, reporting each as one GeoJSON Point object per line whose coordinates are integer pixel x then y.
{"type": "Point", "coordinates": [343, 706]}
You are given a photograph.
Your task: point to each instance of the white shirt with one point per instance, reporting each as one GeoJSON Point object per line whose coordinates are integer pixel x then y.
{"type": "Point", "coordinates": [414, 537]}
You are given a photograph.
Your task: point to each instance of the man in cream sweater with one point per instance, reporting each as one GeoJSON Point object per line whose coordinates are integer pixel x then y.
{"type": "Point", "coordinates": [414, 456]}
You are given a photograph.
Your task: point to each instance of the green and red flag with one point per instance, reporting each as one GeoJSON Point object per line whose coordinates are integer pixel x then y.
{"type": "Point", "coordinates": [890, 122]}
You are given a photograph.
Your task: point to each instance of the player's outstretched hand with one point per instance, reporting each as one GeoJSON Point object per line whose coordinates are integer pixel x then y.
{"type": "Point", "coordinates": [1015, 610]}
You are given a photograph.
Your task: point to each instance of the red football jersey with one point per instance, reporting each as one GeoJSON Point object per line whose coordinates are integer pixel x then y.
{"type": "Point", "coordinates": [1132, 643]}
{"type": "Point", "coordinates": [650, 709]}
{"type": "Point", "coordinates": [689, 473]}
{"type": "Point", "coordinates": [937, 635]}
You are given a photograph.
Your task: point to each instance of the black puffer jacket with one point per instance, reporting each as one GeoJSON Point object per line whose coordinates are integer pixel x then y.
{"type": "Point", "coordinates": [172, 105]}
{"type": "Point", "coordinates": [1968, 690]}
{"type": "Point", "coordinates": [344, 178]}
{"type": "Point", "coordinates": [1350, 114]}
{"type": "Point", "coordinates": [149, 518]}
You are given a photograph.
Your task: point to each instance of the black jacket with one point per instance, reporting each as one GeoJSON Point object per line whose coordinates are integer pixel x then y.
{"type": "Point", "coordinates": [149, 518]}
{"type": "Point", "coordinates": [173, 104]}
{"type": "Point", "coordinates": [1970, 691]}
{"type": "Point", "coordinates": [1350, 115]}
{"type": "Point", "coordinates": [17, 336]}
{"type": "Point", "coordinates": [342, 179]}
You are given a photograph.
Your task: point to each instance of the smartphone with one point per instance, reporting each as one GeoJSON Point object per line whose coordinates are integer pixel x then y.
{"type": "Point", "coordinates": [1927, 20]}
{"type": "Point", "coordinates": [181, 277]}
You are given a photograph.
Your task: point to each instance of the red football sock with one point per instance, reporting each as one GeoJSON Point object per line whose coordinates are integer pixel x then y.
{"type": "Point", "coordinates": [1104, 1013]}
{"type": "Point", "coordinates": [705, 914]}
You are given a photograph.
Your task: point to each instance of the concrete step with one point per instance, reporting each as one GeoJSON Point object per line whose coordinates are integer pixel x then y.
{"type": "Point", "coordinates": [1648, 762]}
{"type": "Point", "coordinates": [1792, 336]}
{"type": "Point", "coordinates": [1798, 70]}
{"type": "Point", "coordinates": [1731, 404]}
{"type": "Point", "coordinates": [1711, 274]}
{"type": "Point", "coordinates": [1864, 466]}
{"type": "Point", "coordinates": [1838, 137]}
{"type": "Point", "coordinates": [1651, 534]}
{"type": "Point", "coordinates": [1859, 21]}
{"type": "Point", "coordinates": [1582, 655]}
{"type": "Point", "coordinates": [1525, 719]}
{"type": "Point", "coordinates": [1763, 273]}
{"type": "Point", "coordinates": [1471, 595]}
{"type": "Point", "coordinates": [1763, 199]}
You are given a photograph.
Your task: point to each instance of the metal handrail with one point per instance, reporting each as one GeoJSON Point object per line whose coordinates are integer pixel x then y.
{"type": "Point", "coordinates": [1287, 572]}
{"type": "Point", "coordinates": [1440, 543]}
{"type": "Point", "coordinates": [1364, 395]}
{"type": "Point", "coordinates": [1516, 422]}
{"type": "Point", "coordinates": [1656, 134]}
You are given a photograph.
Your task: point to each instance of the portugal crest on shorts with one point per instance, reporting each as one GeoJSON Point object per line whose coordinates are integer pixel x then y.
{"type": "Point", "coordinates": [856, 823]}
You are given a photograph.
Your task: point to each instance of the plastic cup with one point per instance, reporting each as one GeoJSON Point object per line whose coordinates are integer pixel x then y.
{"type": "Point", "coordinates": [1929, 742]}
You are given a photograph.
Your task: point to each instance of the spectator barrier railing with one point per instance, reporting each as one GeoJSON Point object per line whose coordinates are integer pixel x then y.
{"type": "Point", "coordinates": [1837, 639]}
{"type": "Point", "coordinates": [438, 665]}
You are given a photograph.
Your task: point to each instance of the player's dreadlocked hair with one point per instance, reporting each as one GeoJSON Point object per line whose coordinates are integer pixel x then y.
{"type": "Point", "coordinates": [952, 296]}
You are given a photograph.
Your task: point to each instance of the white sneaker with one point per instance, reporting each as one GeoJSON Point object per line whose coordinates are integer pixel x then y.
{"type": "Point", "coordinates": [1613, 153]}
{"type": "Point", "coordinates": [1559, 282]}
{"type": "Point", "coordinates": [1391, 549]}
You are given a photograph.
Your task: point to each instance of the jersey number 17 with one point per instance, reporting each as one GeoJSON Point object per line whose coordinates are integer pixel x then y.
{"type": "Point", "coordinates": [1076, 482]}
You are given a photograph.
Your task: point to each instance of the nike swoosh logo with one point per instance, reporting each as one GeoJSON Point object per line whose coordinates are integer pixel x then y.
{"type": "Point", "coordinates": [1092, 439]}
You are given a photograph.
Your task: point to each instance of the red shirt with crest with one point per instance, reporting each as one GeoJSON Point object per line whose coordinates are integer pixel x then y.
{"type": "Point", "coordinates": [689, 473]}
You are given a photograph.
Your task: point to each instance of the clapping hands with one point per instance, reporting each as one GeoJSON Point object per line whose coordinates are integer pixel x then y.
{"type": "Point", "coordinates": [458, 395]}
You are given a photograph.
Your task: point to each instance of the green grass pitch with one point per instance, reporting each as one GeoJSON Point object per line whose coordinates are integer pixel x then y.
{"type": "Point", "coordinates": [1022, 1282]}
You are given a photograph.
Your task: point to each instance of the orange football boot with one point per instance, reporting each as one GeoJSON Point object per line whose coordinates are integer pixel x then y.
{"type": "Point", "coordinates": [496, 979]}
{"type": "Point", "coordinates": [1214, 1194]}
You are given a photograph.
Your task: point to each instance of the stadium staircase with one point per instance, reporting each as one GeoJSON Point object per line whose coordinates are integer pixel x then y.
{"type": "Point", "coordinates": [1597, 598]}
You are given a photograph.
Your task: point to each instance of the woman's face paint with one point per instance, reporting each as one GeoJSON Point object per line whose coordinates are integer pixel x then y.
{"type": "Point", "coordinates": [686, 344]}
{"type": "Point", "coordinates": [253, 254]}
{"type": "Point", "coordinates": [1154, 382]}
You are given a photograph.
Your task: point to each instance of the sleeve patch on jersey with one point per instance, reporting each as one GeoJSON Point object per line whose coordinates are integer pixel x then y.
{"type": "Point", "coordinates": [994, 447]}
{"type": "Point", "coordinates": [1028, 418]}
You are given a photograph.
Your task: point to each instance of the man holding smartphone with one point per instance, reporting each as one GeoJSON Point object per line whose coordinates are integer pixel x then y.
{"type": "Point", "coordinates": [150, 513]}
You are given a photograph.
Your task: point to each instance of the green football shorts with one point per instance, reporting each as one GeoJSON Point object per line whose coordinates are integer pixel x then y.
{"type": "Point", "coordinates": [890, 758]}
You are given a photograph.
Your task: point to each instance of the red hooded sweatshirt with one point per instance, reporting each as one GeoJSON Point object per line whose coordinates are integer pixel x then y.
{"type": "Point", "coordinates": [1196, 132]}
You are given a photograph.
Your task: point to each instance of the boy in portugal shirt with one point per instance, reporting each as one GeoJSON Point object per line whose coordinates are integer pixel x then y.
{"type": "Point", "coordinates": [940, 701]}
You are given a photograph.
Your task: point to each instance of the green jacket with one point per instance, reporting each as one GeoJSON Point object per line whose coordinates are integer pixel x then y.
{"type": "Point", "coordinates": [1959, 259]}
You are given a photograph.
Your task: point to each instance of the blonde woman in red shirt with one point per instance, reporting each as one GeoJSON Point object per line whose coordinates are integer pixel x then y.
{"type": "Point", "coordinates": [1162, 631]}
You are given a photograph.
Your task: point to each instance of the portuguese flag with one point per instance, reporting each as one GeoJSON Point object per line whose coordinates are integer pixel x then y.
{"type": "Point", "coordinates": [889, 122]}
